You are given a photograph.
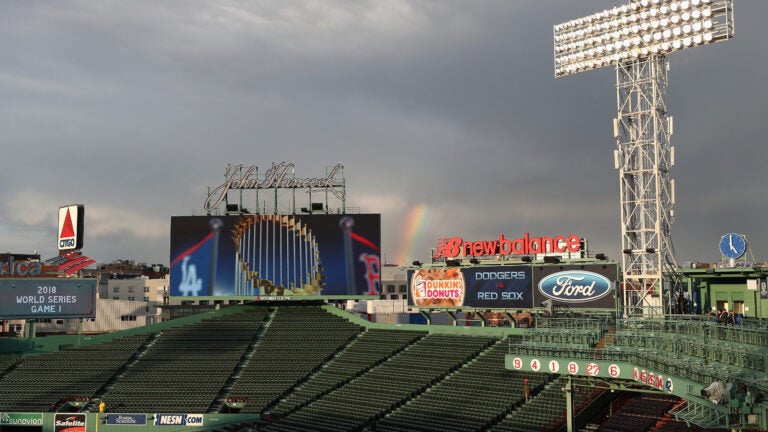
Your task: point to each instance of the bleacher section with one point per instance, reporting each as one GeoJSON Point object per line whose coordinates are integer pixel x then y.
{"type": "Point", "coordinates": [292, 367]}
{"type": "Point", "coordinates": [394, 382]}
{"type": "Point", "coordinates": [298, 341]}
{"type": "Point", "coordinates": [642, 413]}
{"type": "Point", "coordinates": [186, 367]}
{"type": "Point", "coordinates": [6, 364]}
{"type": "Point", "coordinates": [702, 351]}
{"type": "Point", "coordinates": [42, 382]}
{"type": "Point", "coordinates": [550, 400]}
{"type": "Point", "coordinates": [367, 351]}
{"type": "Point", "coordinates": [473, 397]}
{"type": "Point", "coordinates": [638, 414]}
{"type": "Point", "coordinates": [695, 349]}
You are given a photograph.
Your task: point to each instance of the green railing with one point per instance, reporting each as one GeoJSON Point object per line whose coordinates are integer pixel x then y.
{"type": "Point", "coordinates": [699, 350]}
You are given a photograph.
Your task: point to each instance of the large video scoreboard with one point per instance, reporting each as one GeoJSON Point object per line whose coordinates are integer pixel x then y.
{"type": "Point", "coordinates": [276, 255]}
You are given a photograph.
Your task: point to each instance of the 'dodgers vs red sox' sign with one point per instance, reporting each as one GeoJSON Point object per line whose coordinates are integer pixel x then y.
{"type": "Point", "coordinates": [452, 247]}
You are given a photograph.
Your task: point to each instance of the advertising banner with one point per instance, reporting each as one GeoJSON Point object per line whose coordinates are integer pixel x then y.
{"type": "Point", "coordinates": [21, 419]}
{"type": "Point", "coordinates": [276, 255]}
{"type": "Point", "coordinates": [127, 419]}
{"type": "Point", "coordinates": [179, 420]}
{"type": "Point", "coordinates": [68, 422]}
{"type": "Point", "coordinates": [55, 298]}
{"type": "Point", "coordinates": [576, 286]}
{"type": "Point", "coordinates": [555, 245]}
{"type": "Point", "coordinates": [499, 287]}
{"type": "Point", "coordinates": [71, 223]}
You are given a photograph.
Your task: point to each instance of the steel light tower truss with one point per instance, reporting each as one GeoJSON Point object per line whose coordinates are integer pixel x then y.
{"type": "Point", "coordinates": [643, 158]}
{"type": "Point", "coordinates": [636, 38]}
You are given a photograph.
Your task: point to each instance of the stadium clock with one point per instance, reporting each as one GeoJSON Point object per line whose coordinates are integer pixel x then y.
{"type": "Point", "coordinates": [733, 245]}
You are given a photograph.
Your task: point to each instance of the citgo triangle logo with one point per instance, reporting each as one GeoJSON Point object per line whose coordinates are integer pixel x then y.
{"type": "Point", "coordinates": [67, 230]}
{"type": "Point", "coordinates": [70, 227]}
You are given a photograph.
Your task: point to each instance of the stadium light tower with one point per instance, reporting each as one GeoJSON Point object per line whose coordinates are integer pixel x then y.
{"type": "Point", "coordinates": [636, 38]}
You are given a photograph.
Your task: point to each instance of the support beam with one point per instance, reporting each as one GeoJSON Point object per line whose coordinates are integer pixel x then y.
{"type": "Point", "coordinates": [453, 317]}
{"type": "Point", "coordinates": [483, 321]}
{"type": "Point", "coordinates": [426, 316]}
{"type": "Point", "coordinates": [644, 158]}
{"type": "Point", "coordinates": [569, 405]}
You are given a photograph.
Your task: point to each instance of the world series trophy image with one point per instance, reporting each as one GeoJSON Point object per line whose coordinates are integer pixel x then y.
{"type": "Point", "coordinates": [276, 255]}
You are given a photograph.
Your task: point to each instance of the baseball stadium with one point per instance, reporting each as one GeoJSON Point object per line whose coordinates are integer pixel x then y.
{"type": "Point", "coordinates": [283, 318]}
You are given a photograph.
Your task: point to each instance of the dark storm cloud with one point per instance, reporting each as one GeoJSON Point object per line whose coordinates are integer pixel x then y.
{"type": "Point", "coordinates": [134, 108]}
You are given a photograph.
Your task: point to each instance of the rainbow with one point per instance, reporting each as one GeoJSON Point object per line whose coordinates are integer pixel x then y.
{"type": "Point", "coordinates": [414, 222]}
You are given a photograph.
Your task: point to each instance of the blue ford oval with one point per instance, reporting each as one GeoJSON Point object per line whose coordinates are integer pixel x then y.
{"type": "Point", "coordinates": [575, 286]}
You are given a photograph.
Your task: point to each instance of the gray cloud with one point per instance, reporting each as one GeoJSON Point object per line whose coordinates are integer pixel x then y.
{"type": "Point", "coordinates": [134, 108]}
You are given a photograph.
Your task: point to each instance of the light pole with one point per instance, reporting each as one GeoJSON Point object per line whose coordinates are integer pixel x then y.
{"type": "Point", "coordinates": [635, 39]}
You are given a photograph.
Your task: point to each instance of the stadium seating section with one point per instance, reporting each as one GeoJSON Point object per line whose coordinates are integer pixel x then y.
{"type": "Point", "coordinates": [642, 412]}
{"type": "Point", "coordinates": [185, 368]}
{"type": "Point", "coordinates": [304, 368]}
{"type": "Point", "coordinates": [42, 382]}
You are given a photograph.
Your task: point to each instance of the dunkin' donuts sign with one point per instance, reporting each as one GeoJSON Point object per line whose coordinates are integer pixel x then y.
{"type": "Point", "coordinates": [438, 287]}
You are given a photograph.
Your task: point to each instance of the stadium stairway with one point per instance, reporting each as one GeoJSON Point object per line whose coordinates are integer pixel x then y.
{"type": "Point", "coordinates": [606, 339]}
{"type": "Point", "coordinates": [64, 379]}
{"type": "Point", "coordinates": [302, 382]}
{"type": "Point", "coordinates": [448, 405]}
{"type": "Point", "coordinates": [633, 412]}
{"type": "Point", "coordinates": [300, 340]}
{"type": "Point", "coordinates": [7, 366]}
{"type": "Point", "coordinates": [549, 399]}
{"type": "Point", "coordinates": [640, 413]}
{"type": "Point", "coordinates": [621, 399]}
{"type": "Point", "coordinates": [370, 397]}
{"type": "Point", "coordinates": [525, 417]}
{"type": "Point", "coordinates": [368, 350]}
{"type": "Point", "coordinates": [187, 366]}
{"type": "Point", "coordinates": [93, 405]}
{"type": "Point", "coordinates": [220, 402]}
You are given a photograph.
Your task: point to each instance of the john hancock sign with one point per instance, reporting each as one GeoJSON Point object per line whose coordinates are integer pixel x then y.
{"type": "Point", "coordinates": [280, 176]}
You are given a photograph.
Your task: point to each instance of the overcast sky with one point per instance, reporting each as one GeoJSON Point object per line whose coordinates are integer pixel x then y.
{"type": "Point", "coordinates": [450, 108]}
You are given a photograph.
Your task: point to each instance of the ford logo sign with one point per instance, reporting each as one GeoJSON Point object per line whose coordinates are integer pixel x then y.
{"type": "Point", "coordinates": [575, 286]}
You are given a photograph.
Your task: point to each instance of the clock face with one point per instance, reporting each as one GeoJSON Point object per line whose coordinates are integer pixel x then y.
{"type": "Point", "coordinates": [733, 245]}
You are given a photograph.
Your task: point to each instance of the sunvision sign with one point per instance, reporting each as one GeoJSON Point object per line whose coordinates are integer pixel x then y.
{"type": "Point", "coordinates": [21, 419]}
{"type": "Point", "coordinates": [280, 175]}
